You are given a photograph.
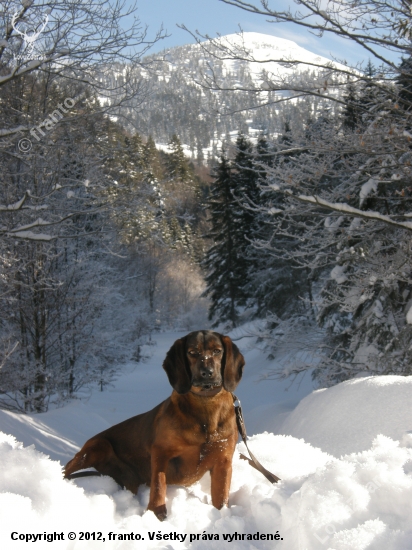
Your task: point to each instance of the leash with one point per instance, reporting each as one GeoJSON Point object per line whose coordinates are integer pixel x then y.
{"type": "Point", "coordinates": [253, 461]}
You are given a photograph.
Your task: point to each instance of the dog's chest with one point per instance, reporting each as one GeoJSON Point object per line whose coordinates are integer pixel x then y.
{"type": "Point", "coordinates": [207, 448]}
{"type": "Point", "coordinates": [213, 432]}
{"type": "Point", "coordinates": [215, 443]}
{"type": "Point", "coordinates": [213, 428]}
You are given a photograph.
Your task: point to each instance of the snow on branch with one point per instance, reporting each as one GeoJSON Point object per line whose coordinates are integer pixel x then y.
{"type": "Point", "coordinates": [350, 210]}
{"type": "Point", "coordinates": [44, 237]}
{"type": "Point", "coordinates": [23, 232]}
{"type": "Point", "coordinates": [39, 222]}
{"type": "Point", "coordinates": [10, 131]}
{"type": "Point", "coordinates": [16, 206]}
{"type": "Point", "coordinates": [20, 205]}
{"type": "Point", "coordinates": [29, 235]}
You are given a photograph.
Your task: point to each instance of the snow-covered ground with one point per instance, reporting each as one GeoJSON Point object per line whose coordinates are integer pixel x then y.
{"type": "Point", "coordinates": [344, 456]}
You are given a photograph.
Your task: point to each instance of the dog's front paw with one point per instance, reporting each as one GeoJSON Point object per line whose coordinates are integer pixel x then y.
{"type": "Point", "coordinates": [159, 511]}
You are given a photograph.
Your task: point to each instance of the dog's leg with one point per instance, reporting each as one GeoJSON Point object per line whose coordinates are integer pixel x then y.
{"type": "Point", "coordinates": [98, 453]}
{"type": "Point", "coordinates": [221, 476]}
{"type": "Point", "coordinates": [157, 502]}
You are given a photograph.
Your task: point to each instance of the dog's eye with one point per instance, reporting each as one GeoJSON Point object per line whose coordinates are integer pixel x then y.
{"type": "Point", "coordinates": [193, 353]}
{"type": "Point", "coordinates": [217, 351]}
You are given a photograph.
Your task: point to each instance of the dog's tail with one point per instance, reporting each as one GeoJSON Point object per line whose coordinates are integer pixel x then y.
{"type": "Point", "coordinates": [93, 455]}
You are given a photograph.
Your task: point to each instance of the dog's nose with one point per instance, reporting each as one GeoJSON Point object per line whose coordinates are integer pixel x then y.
{"type": "Point", "coordinates": [206, 371]}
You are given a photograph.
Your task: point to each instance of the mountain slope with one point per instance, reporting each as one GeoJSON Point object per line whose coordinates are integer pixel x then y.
{"type": "Point", "coordinates": [272, 54]}
{"type": "Point", "coordinates": [186, 101]}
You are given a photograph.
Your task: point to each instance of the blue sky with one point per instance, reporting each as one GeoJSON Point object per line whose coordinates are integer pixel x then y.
{"type": "Point", "coordinates": [212, 17]}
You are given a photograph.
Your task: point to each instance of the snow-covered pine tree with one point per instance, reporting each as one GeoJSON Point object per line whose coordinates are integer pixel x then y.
{"type": "Point", "coordinates": [279, 283]}
{"type": "Point", "coordinates": [176, 237]}
{"type": "Point", "coordinates": [177, 165]}
{"type": "Point", "coordinates": [246, 193]}
{"type": "Point", "coordinates": [351, 111]}
{"type": "Point", "coordinates": [151, 161]}
{"type": "Point", "coordinates": [404, 84]}
{"type": "Point", "coordinates": [224, 267]}
{"type": "Point", "coordinates": [367, 298]}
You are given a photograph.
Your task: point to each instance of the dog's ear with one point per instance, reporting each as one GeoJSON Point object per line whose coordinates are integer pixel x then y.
{"type": "Point", "coordinates": [233, 363]}
{"type": "Point", "coordinates": [177, 367]}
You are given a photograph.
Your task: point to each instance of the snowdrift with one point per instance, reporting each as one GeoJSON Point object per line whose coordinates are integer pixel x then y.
{"type": "Point", "coordinates": [360, 500]}
{"type": "Point", "coordinates": [347, 417]}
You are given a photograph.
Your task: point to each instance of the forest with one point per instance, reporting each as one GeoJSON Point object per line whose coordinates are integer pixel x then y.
{"type": "Point", "coordinates": [106, 238]}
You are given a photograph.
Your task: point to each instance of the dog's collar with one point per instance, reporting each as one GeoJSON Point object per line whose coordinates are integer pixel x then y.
{"type": "Point", "coordinates": [207, 393]}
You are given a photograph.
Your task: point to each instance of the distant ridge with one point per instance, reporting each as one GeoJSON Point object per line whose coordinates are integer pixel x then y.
{"type": "Point", "coordinates": [204, 118]}
{"type": "Point", "coordinates": [279, 56]}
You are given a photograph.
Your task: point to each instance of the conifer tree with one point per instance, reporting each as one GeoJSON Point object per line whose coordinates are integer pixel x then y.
{"type": "Point", "coordinates": [247, 195]}
{"type": "Point", "coordinates": [225, 272]}
{"type": "Point", "coordinates": [178, 167]}
{"type": "Point", "coordinates": [370, 96]}
{"type": "Point", "coordinates": [276, 285]}
{"type": "Point", "coordinates": [351, 111]}
{"type": "Point", "coordinates": [188, 241]}
{"type": "Point", "coordinates": [175, 233]}
{"type": "Point", "coordinates": [264, 156]}
{"type": "Point", "coordinates": [151, 160]}
{"type": "Point", "coordinates": [404, 83]}
{"type": "Point", "coordinates": [286, 139]}
{"type": "Point", "coordinates": [135, 145]}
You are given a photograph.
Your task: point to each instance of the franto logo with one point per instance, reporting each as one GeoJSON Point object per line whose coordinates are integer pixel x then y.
{"type": "Point", "coordinates": [37, 132]}
{"type": "Point", "coordinates": [53, 118]}
{"type": "Point", "coordinates": [29, 31]}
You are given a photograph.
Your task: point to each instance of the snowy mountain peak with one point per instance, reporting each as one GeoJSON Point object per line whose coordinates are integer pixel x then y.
{"type": "Point", "coordinates": [268, 45]}
{"type": "Point", "coordinates": [274, 51]}
{"type": "Point", "coordinates": [198, 91]}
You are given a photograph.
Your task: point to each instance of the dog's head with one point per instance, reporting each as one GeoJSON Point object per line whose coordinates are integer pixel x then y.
{"type": "Point", "coordinates": [205, 360]}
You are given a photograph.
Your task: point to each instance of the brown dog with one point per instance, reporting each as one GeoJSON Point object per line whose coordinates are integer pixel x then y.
{"type": "Point", "coordinates": [192, 432]}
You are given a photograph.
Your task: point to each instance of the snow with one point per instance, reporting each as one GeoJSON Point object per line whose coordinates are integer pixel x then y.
{"type": "Point", "coordinates": [346, 418]}
{"type": "Point", "coordinates": [274, 211]}
{"type": "Point", "coordinates": [343, 454]}
{"type": "Point", "coordinates": [31, 236]}
{"type": "Point", "coordinates": [366, 189]}
{"type": "Point", "coordinates": [333, 223]}
{"type": "Point", "coordinates": [10, 131]}
{"type": "Point", "coordinates": [16, 206]}
{"type": "Point", "coordinates": [355, 224]}
{"type": "Point", "coordinates": [37, 223]}
{"type": "Point", "coordinates": [345, 208]}
{"type": "Point", "coordinates": [338, 274]}
{"type": "Point", "coordinates": [165, 147]}
{"type": "Point", "coordinates": [409, 316]}
{"type": "Point", "coordinates": [274, 54]}
{"type": "Point", "coordinates": [261, 60]}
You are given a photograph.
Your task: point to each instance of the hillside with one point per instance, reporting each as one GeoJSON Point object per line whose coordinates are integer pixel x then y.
{"type": "Point", "coordinates": [179, 101]}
